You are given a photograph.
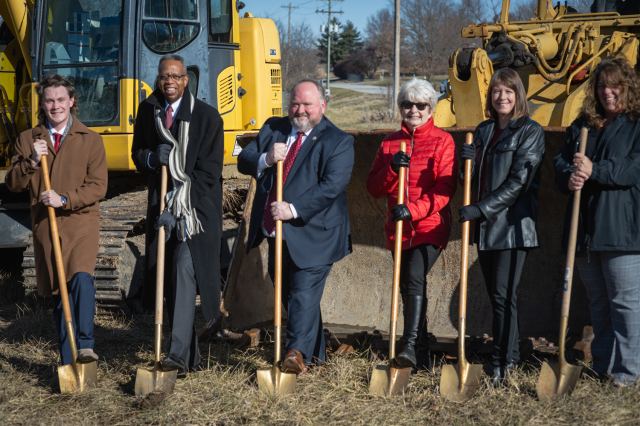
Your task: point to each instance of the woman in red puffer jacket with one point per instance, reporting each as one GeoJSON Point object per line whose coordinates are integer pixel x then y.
{"type": "Point", "coordinates": [430, 159]}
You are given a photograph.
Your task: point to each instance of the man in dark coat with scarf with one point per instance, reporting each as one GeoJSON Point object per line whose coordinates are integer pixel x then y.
{"type": "Point", "coordinates": [175, 129]}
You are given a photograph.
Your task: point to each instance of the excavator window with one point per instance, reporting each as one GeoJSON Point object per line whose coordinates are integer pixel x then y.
{"type": "Point", "coordinates": [82, 43]}
{"type": "Point", "coordinates": [220, 22]}
{"type": "Point", "coordinates": [169, 25]}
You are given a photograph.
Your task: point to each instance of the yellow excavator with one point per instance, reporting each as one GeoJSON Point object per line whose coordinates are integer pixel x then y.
{"type": "Point", "coordinates": [110, 49]}
{"type": "Point", "coordinates": [553, 53]}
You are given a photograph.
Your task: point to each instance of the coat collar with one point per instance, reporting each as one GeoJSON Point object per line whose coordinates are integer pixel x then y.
{"type": "Point", "coordinates": [184, 112]}
{"type": "Point", "coordinates": [488, 130]}
{"type": "Point", "coordinates": [421, 131]}
{"type": "Point", "coordinates": [309, 142]}
{"type": "Point", "coordinates": [42, 132]}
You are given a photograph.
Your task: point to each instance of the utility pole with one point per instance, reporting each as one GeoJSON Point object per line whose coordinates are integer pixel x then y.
{"type": "Point", "coordinates": [289, 29]}
{"type": "Point", "coordinates": [328, 91]}
{"type": "Point", "coordinates": [396, 62]}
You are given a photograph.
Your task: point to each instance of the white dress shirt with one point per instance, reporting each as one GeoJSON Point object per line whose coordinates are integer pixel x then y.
{"type": "Point", "coordinates": [262, 166]}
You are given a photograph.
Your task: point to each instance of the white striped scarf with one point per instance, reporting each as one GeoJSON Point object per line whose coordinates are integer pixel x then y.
{"type": "Point", "coordinates": [178, 200]}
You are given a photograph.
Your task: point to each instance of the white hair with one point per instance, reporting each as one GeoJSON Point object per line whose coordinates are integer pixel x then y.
{"type": "Point", "coordinates": [416, 90]}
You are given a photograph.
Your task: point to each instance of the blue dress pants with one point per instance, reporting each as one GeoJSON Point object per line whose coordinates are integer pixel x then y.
{"type": "Point", "coordinates": [301, 295]}
{"type": "Point", "coordinates": [82, 301]}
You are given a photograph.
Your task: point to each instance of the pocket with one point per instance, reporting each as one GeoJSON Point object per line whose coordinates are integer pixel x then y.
{"type": "Point", "coordinates": [508, 145]}
{"type": "Point", "coordinates": [333, 222]}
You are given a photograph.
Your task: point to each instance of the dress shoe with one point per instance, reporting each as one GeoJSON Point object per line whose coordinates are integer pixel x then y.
{"type": "Point", "coordinates": [87, 355]}
{"type": "Point", "coordinates": [293, 363]}
{"type": "Point", "coordinates": [496, 377]}
{"type": "Point", "coordinates": [172, 362]}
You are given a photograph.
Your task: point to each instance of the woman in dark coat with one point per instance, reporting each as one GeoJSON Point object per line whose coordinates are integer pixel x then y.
{"type": "Point", "coordinates": [507, 151]}
{"type": "Point", "coordinates": [609, 176]}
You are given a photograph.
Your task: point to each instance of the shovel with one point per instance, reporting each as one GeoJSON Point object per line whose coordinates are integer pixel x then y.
{"type": "Point", "coordinates": [273, 380]}
{"type": "Point", "coordinates": [158, 380]}
{"type": "Point", "coordinates": [562, 377]}
{"type": "Point", "coordinates": [75, 376]}
{"type": "Point", "coordinates": [459, 385]}
{"type": "Point", "coordinates": [390, 380]}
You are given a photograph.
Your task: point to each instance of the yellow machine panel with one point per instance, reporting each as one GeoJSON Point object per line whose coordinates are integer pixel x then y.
{"type": "Point", "coordinates": [259, 64]}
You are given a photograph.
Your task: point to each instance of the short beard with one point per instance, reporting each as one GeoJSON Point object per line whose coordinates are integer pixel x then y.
{"type": "Point", "coordinates": [300, 127]}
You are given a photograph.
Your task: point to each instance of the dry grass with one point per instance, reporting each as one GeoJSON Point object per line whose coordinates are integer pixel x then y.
{"type": "Point", "coordinates": [226, 393]}
{"type": "Point", "coordinates": [350, 110]}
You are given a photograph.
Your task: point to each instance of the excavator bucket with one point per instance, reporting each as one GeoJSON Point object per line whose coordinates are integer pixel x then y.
{"type": "Point", "coordinates": [356, 296]}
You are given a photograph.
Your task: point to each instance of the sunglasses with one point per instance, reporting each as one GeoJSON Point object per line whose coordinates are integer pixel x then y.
{"type": "Point", "coordinates": [420, 105]}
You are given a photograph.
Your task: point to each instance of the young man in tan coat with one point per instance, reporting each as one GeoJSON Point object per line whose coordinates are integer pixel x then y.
{"type": "Point", "coordinates": [78, 171]}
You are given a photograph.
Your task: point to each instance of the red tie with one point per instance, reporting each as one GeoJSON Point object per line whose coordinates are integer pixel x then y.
{"type": "Point", "coordinates": [168, 120]}
{"type": "Point", "coordinates": [56, 144]}
{"type": "Point", "coordinates": [269, 222]}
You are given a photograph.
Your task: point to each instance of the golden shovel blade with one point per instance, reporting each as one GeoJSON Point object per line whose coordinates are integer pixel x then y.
{"type": "Point", "coordinates": [275, 382]}
{"type": "Point", "coordinates": [460, 387]}
{"type": "Point", "coordinates": [78, 376]}
{"type": "Point", "coordinates": [156, 380]}
{"type": "Point", "coordinates": [556, 380]}
{"type": "Point", "coordinates": [389, 380]}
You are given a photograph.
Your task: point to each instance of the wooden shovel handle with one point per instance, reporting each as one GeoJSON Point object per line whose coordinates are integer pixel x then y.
{"type": "Point", "coordinates": [161, 251]}
{"type": "Point", "coordinates": [573, 235]}
{"type": "Point", "coordinates": [396, 261]}
{"type": "Point", "coordinates": [277, 310]}
{"type": "Point", "coordinates": [464, 263]}
{"type": "Point", "coordinates": [53, 225]}
{"type": "Point", "coordinates": [464, 259]}
{"type": "Point", "coordinates": [278, 259]}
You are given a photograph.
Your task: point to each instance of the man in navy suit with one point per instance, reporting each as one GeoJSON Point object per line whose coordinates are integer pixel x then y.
{"type": "Point", "coordinates": [318, 159]}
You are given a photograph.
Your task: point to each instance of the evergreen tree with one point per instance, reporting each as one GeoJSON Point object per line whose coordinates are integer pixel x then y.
{"type": "Point", "coordinates": [349, 42]}
{"type": "Point", "coordinates": [322, 44]}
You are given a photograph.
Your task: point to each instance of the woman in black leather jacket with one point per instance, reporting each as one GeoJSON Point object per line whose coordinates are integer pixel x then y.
{"type": "Point", "coordinates": [507, 151]}
{"type": "Point", "coordinates": [609, 176]}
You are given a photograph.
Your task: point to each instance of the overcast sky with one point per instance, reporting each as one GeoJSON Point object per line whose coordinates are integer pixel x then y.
{"type": "Point", "coordinates": [356, 11]}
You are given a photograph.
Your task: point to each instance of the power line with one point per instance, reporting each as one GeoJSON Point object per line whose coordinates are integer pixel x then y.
{"type": "Point", "coordinates": [328, 91]}
{"type": "Point", "coordinates": [289, 29]}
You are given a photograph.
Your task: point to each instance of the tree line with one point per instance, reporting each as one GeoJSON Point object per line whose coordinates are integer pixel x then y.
{"type": "Point", "coordinates": [430, 32]}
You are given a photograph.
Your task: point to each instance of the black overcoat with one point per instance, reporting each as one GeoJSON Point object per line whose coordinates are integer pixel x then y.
{"type": "Point", "coordinates": [205, 154]}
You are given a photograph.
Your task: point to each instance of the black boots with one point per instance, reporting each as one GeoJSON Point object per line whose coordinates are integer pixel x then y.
{"type": "Point", "coordinates": [412, 316]}
{"type": "Point", "coordinates": [423, 354]}
{"type": "Point", "coordinates": [500, 374]}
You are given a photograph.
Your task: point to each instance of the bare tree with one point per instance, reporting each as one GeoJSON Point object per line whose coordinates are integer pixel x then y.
{"type": "Point", "coordinates": [379, 36]}
{"type": "Point", "coordinates": [433, 33]}
{"type": "Point", "coordinates": [299, 58]}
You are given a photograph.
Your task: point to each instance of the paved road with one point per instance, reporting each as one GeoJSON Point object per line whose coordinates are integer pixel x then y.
{"type": "Point", "coordinates": [364, 88]}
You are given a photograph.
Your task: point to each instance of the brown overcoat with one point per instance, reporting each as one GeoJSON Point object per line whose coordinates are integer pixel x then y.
{"type": "Point", "coordinates": [79, 172]}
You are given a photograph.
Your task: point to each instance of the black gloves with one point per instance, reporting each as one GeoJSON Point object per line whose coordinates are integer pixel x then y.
{"type": "Point", "coordinates": [400, 212]}
{"type": "Point", "coordinates": [400, 159]}
{"type": "Point", "coordinates": [167, 220]}
{"type": "Point", "coordinates": [161, 156]}
{"type": "Point", "coordinates": [467, 152]}
{"type": "Point", "coordinates": [469, 213]}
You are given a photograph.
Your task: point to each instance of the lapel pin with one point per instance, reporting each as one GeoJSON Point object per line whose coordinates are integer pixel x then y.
{"type": "Point", "coordinates": [315, 137]}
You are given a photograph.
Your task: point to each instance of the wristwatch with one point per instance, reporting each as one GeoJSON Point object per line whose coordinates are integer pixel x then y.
{"type": "Point", "coordinates": [64, 201]}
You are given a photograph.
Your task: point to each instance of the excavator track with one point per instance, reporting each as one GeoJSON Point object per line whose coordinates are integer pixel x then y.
{"type": "Point", "coordinates": [120, 264]}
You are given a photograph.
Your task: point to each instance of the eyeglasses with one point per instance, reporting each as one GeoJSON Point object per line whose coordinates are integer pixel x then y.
{"type": "Point", "coordinates": [174, 77]}
{"type": "Point", "coordinates": [420, 105]}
